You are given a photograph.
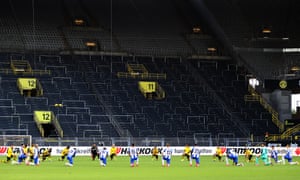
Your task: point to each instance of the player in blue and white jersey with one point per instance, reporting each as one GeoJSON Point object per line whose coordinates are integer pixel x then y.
{"type": "Point", "coordinates": [230, 154]}
{"type": "Point", "coordinates": [103, 154]}
{"type": "Point", "coordinates": [36, 155]}
{"type": "Point", "coordinates": [70, 156]}
{"type": "Point", "coordinates": [195, 155]}
{"type": "Point", "coordinates": [23, 153]}
{"type": "Point", "coordinates": [166, 155]}
{"type": "Point", "coordinates": [134, 155]}
{"type": "Point", "coordinates": [288, 156]}
{"type": "Point", "coordinates": [274, 155]}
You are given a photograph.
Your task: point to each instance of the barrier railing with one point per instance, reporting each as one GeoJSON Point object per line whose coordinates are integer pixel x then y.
{"type": "Point", "coordinates": [289, 132]}
{"type": "Point", "coordinates": [256, 97]}
{"type": "Point", "coordinates": [57, 126]}
{"type": "Point", "coordinates": [144, 141]}
{"type": "Point", "coordinates": [136, 75]}
{"type": "Point", "coordinates": [39, 126]}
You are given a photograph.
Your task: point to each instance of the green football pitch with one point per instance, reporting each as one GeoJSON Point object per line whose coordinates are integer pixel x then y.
{"type": "Point", "coordinates": [85, 168]}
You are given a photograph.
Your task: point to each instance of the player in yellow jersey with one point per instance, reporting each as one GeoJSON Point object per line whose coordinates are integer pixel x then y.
{"type": "Point", "coordinates": [10, 153]}
{"type": "Point", "coordinates": [31, 152]}
{"type": "Point", "coordinates": [154, 153]}
{"type": "Point", "coordinates": [248, 155]}
{"type": "Point", "coordinates": [186, 153]}
{"type": "Point", "coordinates": [218, 154]}
{"type": "Point", "coordinates": [64, 153]}
{"type": "Point", "coordinates": [113, 152]}
{"type": "Point", "coordinates": [46, 154]}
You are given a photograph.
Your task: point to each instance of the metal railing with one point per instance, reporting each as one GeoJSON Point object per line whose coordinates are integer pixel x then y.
{"type": "Point", "coordinates": [290, 131]}
{"type": "Point", "coordinates": [57, 126]}
{"type": "Point", "coordinates": [256, 97]}
{"type": "Point", "coordinates": [144, 141]}
{"type": "Point", "coordinates": [137, 75]}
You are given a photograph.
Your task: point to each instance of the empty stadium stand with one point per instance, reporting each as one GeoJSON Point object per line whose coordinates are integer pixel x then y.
{"type": "Point", "coordinates": [99, 104]}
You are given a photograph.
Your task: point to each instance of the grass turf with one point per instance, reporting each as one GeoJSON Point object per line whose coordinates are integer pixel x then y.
{"type": "Point", "coordinates": [85, 168]}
